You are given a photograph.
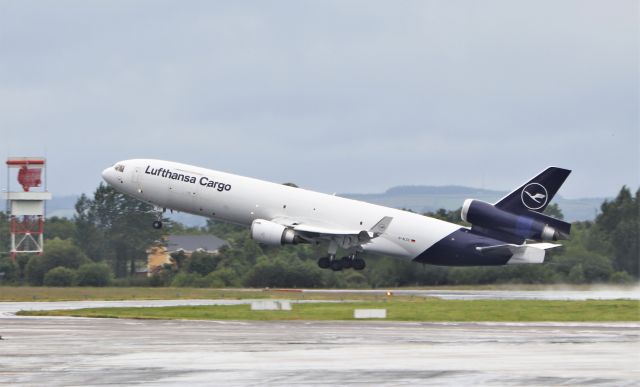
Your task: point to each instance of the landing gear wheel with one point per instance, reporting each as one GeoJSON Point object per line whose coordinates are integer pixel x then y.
{"type": "Point", "coordinates": [157, 224]}
{"type": "Point", "coordinates": [346, 262]}
{"type": "Point", "coordinates": [336, 265]}
{"type": "Point", "coordinates": [359, 264]}
{"type": "Point", "coordinates": [324, 263]}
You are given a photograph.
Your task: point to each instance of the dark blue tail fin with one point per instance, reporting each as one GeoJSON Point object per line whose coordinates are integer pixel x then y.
{"type": "Point", "coordinates": [535, 194]}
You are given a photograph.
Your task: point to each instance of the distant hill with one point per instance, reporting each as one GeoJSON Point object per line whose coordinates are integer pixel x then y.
{"type": "Point", "coordinates": [62, 207]}
{"type": "Point", "coordinates": [419, 198]}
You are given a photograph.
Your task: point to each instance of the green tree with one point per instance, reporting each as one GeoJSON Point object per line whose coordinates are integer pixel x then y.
{"type": "Point", "coordinates": [57, 252]}
{"type": "Point", "coordinates": [447, 215]}
{"type": "Point", "coordinates": [594, 267]}
{"type": "Point", "coordinates": [201, 263]}
{"type": "Point", "coordinates": [35, 270]}
{"type": "Point", "coordinates": [283, 271]}
{"type": "Point", "coordinates": [430, 275]}
{"type": "Point", "coordinates": [94, 274]}
{"type": "Point", "coordinates": [179, 257]}
{"type": "Point", "coordinates": [60, 276]}
{"type": "Point", "coordinates": [576, 275]}
{"type": "Point", "coordinates": [388, 271]}
{"type": "Point", "coordinates": [176, 228]}
{"type": "Point", "coordinates": [61, 228]}
{"type": "Point", "coordinates": [88, 236]}
{"type": "Point", "coordinates": [116, 228]}
{"type": "Point", "coordinates": [4, 233]}
{"type": "Point", "coordinates": [184, 279]}
{"type": "Point", "coordinates": [21, 262]}
{"type": "Point", "coordinates": [617, 231]}
{"type": "Point", "coordinates": [620, 277]}
{"type": "Point", "coordinates": [162, 277]}
{"type": "Point", "coordinates": [222, 229]}
{"type": "Point", "coordinates": [9, 272]}
{"type": "Point", "coordinates": [63, 252]}
{"type": "Point", "coordinates": [356, 279]}
{"type": "Point", "coordinates": [224, 277]}
{"type": "Point", "coordinates": [554, 210]}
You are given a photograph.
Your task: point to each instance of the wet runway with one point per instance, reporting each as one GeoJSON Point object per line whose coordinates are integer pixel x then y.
{"type": "Point", "coordinates": [9, 309]}
{"type": "Point", "coordinates": [604, 293]}
{"type": "Point", "coordinates": [80, 351]}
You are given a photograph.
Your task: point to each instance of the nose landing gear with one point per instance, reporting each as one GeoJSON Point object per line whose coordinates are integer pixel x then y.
{"type": "Point", "coordinates": [157, 224]}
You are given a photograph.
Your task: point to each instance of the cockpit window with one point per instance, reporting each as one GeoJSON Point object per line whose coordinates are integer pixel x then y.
{"type": "Point", "coordinates": [119, 167]}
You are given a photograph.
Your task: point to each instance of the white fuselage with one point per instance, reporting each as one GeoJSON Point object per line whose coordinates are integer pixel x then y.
{"type": "Point", "coordinates": [241, 200]}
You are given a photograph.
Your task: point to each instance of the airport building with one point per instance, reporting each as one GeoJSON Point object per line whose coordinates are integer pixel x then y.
{"type": "Point", "coordinates": [160, 254]}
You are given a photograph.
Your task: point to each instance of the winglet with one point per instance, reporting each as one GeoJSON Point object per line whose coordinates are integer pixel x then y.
{"type": "Point", "coordinates": [380, 227]}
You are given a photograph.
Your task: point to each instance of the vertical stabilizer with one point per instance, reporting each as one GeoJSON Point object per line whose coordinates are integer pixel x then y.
{"type": "Point", "coordinates": [535, 194]}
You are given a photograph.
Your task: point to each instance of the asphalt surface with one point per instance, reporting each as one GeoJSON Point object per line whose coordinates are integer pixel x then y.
{"type": "Point", "coordinates": [61, 351]}
{"type": "Point", "coordinates": [603, 293]}
{"type": "Point", "coordinates": [9, 309]}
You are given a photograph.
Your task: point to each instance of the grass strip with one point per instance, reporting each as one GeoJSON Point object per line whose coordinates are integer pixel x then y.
{"type": "Point", "coordinates": [39, 293]}
{"type": "Point", "coordinates": [417, 310]}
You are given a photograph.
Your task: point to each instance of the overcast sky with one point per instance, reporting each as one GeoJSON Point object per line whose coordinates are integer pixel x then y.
{"type": "Point", "coordinates": [336, 96]}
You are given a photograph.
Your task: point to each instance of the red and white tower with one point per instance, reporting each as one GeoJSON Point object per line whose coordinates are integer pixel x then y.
{"type": "Point", "coordinates": [26, 208]}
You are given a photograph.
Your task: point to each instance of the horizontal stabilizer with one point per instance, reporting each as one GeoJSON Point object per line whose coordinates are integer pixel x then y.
{"type": "Point", "coordinates": [529, 253]}
{"type": "Point", "coordinates": [543, 246]}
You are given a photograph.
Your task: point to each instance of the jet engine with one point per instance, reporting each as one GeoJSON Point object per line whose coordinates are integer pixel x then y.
{"type": "Point", "coordinates": [270, 233]}
{"type": "Point", "coordinates": [529, 226]}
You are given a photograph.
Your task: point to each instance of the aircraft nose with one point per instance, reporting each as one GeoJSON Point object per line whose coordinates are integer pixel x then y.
{"type": "Point", "coordinates": [107, 175]}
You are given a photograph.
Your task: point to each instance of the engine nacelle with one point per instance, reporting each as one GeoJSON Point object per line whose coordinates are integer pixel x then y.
{"type": "Point", "coordinates": [270, 233]}
{"type": "Point", "coordinates": [485, 215]}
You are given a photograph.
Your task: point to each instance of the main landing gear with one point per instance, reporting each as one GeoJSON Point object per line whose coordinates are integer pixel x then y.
{"type": "Point", "coordinates": [349, 262]}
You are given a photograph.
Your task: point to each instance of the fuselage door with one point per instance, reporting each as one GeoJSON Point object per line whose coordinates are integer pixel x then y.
{"type": "Point", "coordinates": [136, 179]}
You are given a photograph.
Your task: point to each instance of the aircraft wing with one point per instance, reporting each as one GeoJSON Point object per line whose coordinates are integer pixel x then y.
{"type": "Point", "coordinates": [313, 231]}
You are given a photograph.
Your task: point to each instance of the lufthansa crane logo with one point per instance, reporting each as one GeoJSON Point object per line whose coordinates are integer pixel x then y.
{"type": "Point", "coordinates": [534, 196]}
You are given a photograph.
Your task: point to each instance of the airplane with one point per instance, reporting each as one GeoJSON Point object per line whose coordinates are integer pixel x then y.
{"type": "Point", "coordinates": [511, 231]}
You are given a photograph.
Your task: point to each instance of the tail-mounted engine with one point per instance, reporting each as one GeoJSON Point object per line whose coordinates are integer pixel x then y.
{"type": "Point", "coordinates": [532, 225]}
{"type": "Point", "coordinates": [270, 233]}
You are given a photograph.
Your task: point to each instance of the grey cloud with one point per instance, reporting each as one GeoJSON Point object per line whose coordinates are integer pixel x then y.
{"type": "Point", "coordinates": [337, 96]}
